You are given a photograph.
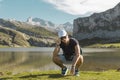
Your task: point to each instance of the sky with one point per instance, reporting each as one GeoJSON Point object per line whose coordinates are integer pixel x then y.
{"type": "Point", "coordinates": [56, 11]}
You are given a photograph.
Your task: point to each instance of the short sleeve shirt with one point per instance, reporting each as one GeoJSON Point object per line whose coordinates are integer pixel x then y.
{"type": "Point", "coordinates": [69, 49]}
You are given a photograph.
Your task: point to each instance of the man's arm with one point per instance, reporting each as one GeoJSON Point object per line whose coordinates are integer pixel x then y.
{"type": "Point", "coordinates": [76, 58]}
{"type": "Point", "coordinates": [56, 50]}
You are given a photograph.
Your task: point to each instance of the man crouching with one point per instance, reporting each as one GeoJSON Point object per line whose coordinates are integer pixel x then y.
{"type": "Point", "coordinates": [71, 53]}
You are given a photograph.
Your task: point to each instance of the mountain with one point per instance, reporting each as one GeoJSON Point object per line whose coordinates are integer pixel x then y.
{"type": "Point", "coordinates": [67, 26]}
{"type": "Point", "coordinates": [39, 32]}
{"type": "Point", "coordinates": [13, 38]}
{"type": "Point", "coordinates": [101, 27]}
{"type": "Point", "coordinates": [15, 33]}
{"type": "Point", "coordinates": [50, 25]}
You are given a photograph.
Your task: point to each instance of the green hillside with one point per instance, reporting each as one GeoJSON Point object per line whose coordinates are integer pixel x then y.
{"type": "Point", "coordinates": [21, 34]}
{"type": "Point", "coordinates": [28, 29]}
{"type": "Point", "coordinates": [9, 37]}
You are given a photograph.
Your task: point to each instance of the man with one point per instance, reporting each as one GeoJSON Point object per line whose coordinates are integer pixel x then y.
{"type": "Point", "coordinates": [71, 53]}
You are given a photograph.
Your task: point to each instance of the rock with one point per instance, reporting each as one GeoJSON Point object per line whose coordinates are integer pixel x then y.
{"type": "Point", "coordinates": [104, 25]}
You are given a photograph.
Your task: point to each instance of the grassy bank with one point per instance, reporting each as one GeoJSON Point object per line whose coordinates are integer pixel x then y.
{"type": "Point", "coordinates": [55, 75]}
{"type": "Point", "coordinates": [110, 45]}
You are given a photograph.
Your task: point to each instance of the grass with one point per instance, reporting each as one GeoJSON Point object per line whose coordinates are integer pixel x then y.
{"type": "Point", "coordinates": [55, 75]}
{"type": "Point", "coordinates": [110, 45]}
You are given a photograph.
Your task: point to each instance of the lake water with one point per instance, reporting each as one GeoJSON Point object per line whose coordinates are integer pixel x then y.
{"type": "Point", "coordinates": [32, 59]}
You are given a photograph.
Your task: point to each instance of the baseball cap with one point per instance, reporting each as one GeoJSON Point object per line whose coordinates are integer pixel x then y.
{"type": "Point", "coordinates": [62, 33]}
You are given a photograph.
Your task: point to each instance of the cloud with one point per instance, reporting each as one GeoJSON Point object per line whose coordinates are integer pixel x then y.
{"type": "Point", "coordinates": [82, 7]}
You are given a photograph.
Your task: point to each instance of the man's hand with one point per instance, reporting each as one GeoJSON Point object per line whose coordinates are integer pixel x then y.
{"type": "Point", "coordinates": [72, 72]}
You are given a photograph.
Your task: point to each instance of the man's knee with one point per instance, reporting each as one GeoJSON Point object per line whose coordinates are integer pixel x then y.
{"type": "Point", "coordinates": [55, 58]}
{"type": "Point", "coordinates": [81, 59]}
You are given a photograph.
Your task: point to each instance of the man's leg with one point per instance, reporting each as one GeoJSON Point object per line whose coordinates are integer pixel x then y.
{"type": "Point", "coordinates": [58, 61]}
{"type": "Point", "coordinates": [80, 62]}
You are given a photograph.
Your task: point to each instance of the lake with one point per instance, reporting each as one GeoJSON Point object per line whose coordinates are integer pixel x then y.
{"type": "Point", "coordinates": [40, 58]}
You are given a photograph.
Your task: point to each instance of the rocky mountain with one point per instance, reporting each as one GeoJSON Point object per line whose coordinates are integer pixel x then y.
{"type": "Point", "coordinates": [20, 34]}
{"type": "Point", "coordinates": [67, 26]}
{"type": "Point", "coordinates": [50, 25]}
{"type": "Point", "coordinates": [99, 27]}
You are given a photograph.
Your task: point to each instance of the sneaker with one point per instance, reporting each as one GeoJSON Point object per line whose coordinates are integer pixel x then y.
{"type": "Point", "coordinates": [76, 72]}
{"type": "Point", "coordinates": [64, 71]}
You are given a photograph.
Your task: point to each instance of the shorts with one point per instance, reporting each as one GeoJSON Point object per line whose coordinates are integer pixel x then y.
{"type": "Point", "coordinates": [62, 58]}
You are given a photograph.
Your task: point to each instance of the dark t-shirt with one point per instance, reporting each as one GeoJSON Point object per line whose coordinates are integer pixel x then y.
{"type": "Point", "coordinates": [69, 49]}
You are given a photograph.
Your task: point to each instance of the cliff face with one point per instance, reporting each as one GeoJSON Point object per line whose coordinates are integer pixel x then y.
{"type": "Point", "coordinates": [104, 25]}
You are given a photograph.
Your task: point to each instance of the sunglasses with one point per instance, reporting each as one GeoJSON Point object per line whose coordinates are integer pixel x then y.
{"type": "Point", "coordinates": [64, 37]}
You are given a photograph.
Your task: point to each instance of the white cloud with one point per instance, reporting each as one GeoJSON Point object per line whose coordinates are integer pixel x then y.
{"type": "Point", "coordinates": [82, 7]}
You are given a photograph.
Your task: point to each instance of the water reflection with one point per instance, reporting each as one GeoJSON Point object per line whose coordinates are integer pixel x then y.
{"type": "Point", "coordinates": [23, 61]}
{"type": "Point", "coordinates": [41, 59]}
{"type": "Point", "coordinates": [101, 61]}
